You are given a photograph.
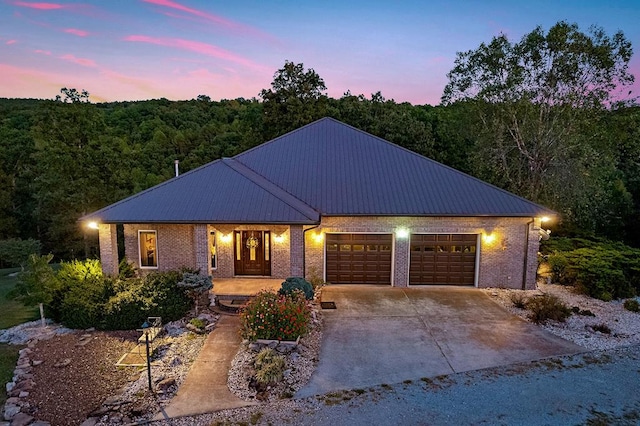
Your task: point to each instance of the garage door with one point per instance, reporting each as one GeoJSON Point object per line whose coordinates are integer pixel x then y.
{"type": "Point", "coordinates": [448, 259]}
{"type": "Point", "coordinates": [359, 258]}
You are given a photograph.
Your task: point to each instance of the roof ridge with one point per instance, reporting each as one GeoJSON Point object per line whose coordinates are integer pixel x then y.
{"type": "Point", "coordinates": [272, 188]}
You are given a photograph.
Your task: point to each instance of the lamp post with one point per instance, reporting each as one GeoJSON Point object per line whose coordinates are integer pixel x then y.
{"type": "Point", "coordinates": [145, 330]}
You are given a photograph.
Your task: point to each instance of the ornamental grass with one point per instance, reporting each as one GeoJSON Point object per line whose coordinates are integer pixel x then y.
{"type": "Point", "coordinates": [275, 317]}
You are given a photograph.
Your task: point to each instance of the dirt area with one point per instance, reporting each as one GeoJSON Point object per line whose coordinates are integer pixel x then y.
{"type": "Point", "coordinates": [67, 394]}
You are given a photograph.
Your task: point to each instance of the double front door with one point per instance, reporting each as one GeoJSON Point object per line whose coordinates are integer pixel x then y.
{"type": "Point", "coordinates": [252, 253]}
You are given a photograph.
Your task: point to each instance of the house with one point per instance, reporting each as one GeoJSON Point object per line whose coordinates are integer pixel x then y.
{"type": "Point", "coordinates": [332, 201]}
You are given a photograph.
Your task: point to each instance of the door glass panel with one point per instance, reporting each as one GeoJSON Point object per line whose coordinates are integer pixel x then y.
{"type": "Point", "coordinates": [332, 247]}
{"type": "Point", "coordinates": [345, 247]}
{"type": "Point", "coordinates": [385, 247]}
{"type": "Point", "coordinates": [238, 245]}
{"type": "Point", "coordinates": [372, 247]}
{"type": "Point", "coordinates": [358, 247]}
{"type": "Point", "coordinates": [212, 249]}
{"type": "Point", "coordinates": [266, 246]}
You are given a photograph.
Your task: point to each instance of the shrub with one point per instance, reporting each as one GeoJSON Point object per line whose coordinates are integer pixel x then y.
{"type": "Point", "coordinates": [315, 278]}
{"type": "Point", "coordinates": [136, 299]}
{"type": "Point", "coordinates": [599, 268]}
{"type": "Point", "coordinates": [602, 328]}
{"type": "Point", "coordinates": [38, 283]}
{"type": "Point", "coordinates": [269, 366]}
{"type": "Point", "coordinates": [519, 300]}
{"type": "Point", "coordinates": [297, 283]}
{"type": "Point", "coordinates": [632, 305]}
{"type": "Point", "coordinates": [198, 323]}
{"type": "Point", "coordinates": [547, 307]}
{"type": "Point", "coordinates": [274, 316]}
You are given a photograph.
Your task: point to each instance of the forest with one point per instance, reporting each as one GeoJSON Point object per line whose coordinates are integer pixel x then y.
{"type": "Point", "coordinates": [551, 131]}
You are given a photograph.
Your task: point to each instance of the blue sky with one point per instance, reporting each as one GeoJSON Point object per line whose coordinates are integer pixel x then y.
{"type": "Point", "coordinates": [179, 49]}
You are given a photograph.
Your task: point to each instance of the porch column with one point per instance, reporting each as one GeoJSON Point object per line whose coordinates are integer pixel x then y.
{"type": "Point", "coordinates": [296, 250]}
{"type": "Point", "coordinates": [108, 239]}
{"type": "Point", "coordinates": [201, 248]}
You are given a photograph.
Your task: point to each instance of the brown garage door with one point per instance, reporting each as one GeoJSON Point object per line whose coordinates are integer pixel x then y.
{"type": "Point", "coordinates": [359, 258]}
{"type": "Point", "coordinates": [448, 259]}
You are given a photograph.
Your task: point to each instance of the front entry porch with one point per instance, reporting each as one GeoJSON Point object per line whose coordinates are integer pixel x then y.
{"type": "Point", "coordinates": [231, 293]}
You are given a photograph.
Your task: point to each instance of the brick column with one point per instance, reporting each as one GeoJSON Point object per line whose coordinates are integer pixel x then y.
{"type": "Point", "coordinates": [108, 248]}
{"type": "Point", "coordinates": [296, 250]}
{"type": "Point", "coordinates": [401, 263]}
{"type": "Point", "coordinates": [532, 256]}
{"type": "Point", "coordinates": [201, 248]}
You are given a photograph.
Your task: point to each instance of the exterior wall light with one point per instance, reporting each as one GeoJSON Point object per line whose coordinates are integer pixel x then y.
{"type": "Point", "coordinates": [544, 219]}
{"type": "Point", "coordinates": [488, 238]}
{"type": "Point", "coordinates": [93, 225]}
{"type": "Point", "coordinates": [226, 238]}
{"type": "Point", "coordinates": [402, 233]}
{"type": "Point", "coordinates": [318, 237]}
{"type": "Point", "coordinates": [279, 238]}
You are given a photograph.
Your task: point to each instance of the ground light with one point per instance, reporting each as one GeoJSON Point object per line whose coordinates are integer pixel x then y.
{"type": "Point", "coordinates": [145, 330]}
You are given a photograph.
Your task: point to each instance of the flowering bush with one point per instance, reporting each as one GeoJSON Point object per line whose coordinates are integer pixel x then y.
{"type": "Point", "coordinates": [272, 316]}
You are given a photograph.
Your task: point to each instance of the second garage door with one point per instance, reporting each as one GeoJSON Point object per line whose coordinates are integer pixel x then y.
{"type": "Point", "coordinates": [447, 259]}
{"type": "Point", "coordinates": [359, 258]}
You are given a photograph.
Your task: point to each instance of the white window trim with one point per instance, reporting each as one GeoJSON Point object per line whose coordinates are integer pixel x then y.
{"type": "Point", "coordinates": [140, 253]}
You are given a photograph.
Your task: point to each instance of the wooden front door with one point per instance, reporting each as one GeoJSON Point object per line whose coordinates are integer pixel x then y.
{"type": "Point", "coordinates": [252, 253]}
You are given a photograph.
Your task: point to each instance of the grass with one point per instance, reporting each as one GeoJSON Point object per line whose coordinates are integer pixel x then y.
{"type": "Point", "coordinates": [13, 312]}
{"type": "Point", "coordinates": [8, 359]}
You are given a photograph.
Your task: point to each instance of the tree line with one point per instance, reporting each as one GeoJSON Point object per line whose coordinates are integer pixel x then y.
{"type": "Point", "coordinates": [537, 117]}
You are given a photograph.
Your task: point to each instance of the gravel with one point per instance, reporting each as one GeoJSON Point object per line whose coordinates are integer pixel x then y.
{"type": "Point", "coordinates": [624, 324]}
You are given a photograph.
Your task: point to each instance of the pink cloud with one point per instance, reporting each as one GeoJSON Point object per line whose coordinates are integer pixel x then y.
{"type": "Point", "coordinates": [11, 42]}
{"type": "Point", "coordinates": [194, 46]}
{"type": "Point", "coordinates": [74, 31]}
{"type": "Point", "coordinates": [80, 61]}
{"type": "Point", "coordinates": [43, 52]}
{"type": "Point", "coordinates": [209, 17]}
{"type": "Point", "coordinates": [40, 6]}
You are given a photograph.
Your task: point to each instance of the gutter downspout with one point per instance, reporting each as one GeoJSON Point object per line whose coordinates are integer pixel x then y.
{"type": "Point", "coordinates": [526, 255]}
{"type": "Point", "coordinates": [304, 251]}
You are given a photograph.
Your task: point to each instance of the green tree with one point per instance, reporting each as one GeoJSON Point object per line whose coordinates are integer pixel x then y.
{"type": "Point", "coordinates": [533, 100]}
{"type": "Point", "coordinates": [296, 97]}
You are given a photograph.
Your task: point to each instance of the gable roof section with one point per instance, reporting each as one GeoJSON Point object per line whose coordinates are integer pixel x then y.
{"type": "Point", "coordinates": [222, 192]}
{"type": "Point", "coordinates": [324, 168]}
{"type": "Point", "coordinates": [340, 170]}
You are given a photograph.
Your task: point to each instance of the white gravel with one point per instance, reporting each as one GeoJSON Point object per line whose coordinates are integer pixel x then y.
{"type": "Point", "coordinates": [624, 325]}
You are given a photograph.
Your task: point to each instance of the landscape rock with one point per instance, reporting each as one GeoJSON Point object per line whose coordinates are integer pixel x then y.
{"type": "Point", "coordinates": [10, 411]}
{"type": "Point", "coordinates": [91, 421]}
{"type": "Point", "coordinates": [40, 423]}
{"type": "Point", "coordinates": [63, 363]}
{"type": "Point", "coordinates": [36, 363]}
{"type": "Point", "coordinates": [21, 419]}
{"type": "Point", "coordinates": [166, 383]}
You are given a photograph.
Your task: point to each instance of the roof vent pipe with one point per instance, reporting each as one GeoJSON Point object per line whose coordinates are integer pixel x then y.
{"type": "Point", "coordinates": [176, 162]}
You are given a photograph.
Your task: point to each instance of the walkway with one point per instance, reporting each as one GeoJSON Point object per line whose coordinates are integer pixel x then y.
{"type": "Point", "coordinates": [205, 388]}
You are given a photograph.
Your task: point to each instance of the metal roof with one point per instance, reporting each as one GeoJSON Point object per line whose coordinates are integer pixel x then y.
{"type": "Point", "coordinates": [340, 170]}
{"type": "Point", "coordinates": [324, 168]}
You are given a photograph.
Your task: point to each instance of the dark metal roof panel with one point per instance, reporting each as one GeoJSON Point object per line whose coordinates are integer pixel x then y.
{"type": "Point", "coordinates": [340, 170]}
{"type": "Point", "coordinates": [216, 192]}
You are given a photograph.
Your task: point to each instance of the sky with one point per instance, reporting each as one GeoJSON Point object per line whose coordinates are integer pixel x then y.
{"type": "Point", "coordinates": [125, 50]}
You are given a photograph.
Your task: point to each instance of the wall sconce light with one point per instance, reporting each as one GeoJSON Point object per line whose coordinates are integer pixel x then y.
{"type": "Point", "coordinates": [544, 219]}
{"type": "Point", "coordinates": [489, 238]}
{"type": "Point", "coordinates": [279, 238]}
{"type": "Point", "coordinates": [402, 233]}
{"type": "Point", "coordinates": [93, 225]}
{"type": "Point", "coordinates": [226, 238]}
{"type": "Point", "coordinates": [318, 237]}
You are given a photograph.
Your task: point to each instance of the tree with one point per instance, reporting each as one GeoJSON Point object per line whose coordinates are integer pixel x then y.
{"type": "Point", "coordinates": [297, 97]}
{"type": "Point", "coordinates": [73, 96]}
{"type": "Point", "coordinates": [533, 100]}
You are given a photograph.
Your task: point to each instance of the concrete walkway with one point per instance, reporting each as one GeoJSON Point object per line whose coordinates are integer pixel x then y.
{"type": "Point", "coordinates": [205, 388]}
{"type": "Point", "coordinates": [388, 335]}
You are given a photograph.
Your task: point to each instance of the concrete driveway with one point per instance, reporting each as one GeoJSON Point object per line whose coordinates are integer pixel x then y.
{"type": "Point", "coordinates": [387, 335]}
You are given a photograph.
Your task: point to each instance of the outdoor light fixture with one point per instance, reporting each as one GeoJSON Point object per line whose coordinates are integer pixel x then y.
{"type": "Point", "coordinates": [544, 219]}
{"type": "Point", "coordinates": [145, 330]}
{"type": "Point", "coordinates": [226, 238]}
{"type": "Point", "coordinates": [93, 225]}
{"type": "Point", "coordinates": [318, 237]}
{"type": "Point", "coordinates": [402, 233]}
{"type": "Point", "coordinates": [279, 238]}
{"type": "Point", "coordinates": [488, 238]}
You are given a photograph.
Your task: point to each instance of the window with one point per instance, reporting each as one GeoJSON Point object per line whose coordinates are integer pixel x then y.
{"type": "Point", "coordinates": [148, 249]}
{"type": "Point", "coordinates": [212, 250]}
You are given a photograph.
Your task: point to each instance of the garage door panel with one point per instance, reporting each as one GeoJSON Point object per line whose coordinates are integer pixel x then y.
{"type": "Point", "coordinates": [362, 258]}
{"type": "Point", "coordinates": [448, 259]}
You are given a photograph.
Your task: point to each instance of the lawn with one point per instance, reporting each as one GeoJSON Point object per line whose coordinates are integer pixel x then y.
{"type": "Point", "coordinates": [13, 312]}
{"type": "Point", "coordinates": [8, 358]}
